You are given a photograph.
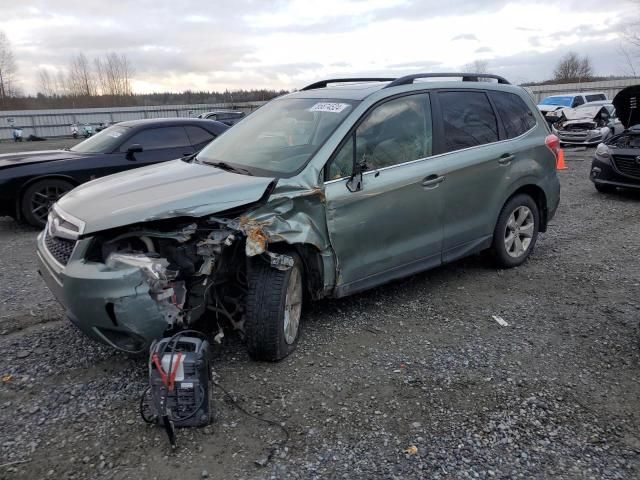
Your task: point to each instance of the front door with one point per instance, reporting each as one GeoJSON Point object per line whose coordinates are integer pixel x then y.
{"type": "Point", "coordinates": [392, 227]}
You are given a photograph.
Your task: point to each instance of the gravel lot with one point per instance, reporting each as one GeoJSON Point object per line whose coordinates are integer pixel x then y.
{"type": "Point", "coordinates": [419, 362]}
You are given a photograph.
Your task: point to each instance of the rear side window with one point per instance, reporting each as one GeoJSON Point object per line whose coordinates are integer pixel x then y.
{"type": "Point", "coordinates": [595, 97]}
{"type": "Point", "coordinates": [468, 120]}
{"type": "Point", "coordinates": [157, 138]}
{"type": "Point", "coordinates": [516, 117]}
{"type": "Point", "coordinates": [199, 135]}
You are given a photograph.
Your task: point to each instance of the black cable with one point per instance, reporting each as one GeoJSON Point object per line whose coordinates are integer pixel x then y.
{"type": "Point", "coordinates": [195, 410]}
{"type": "Point", "coordinates": [265, 420]}
{"type": "Point", "coordinates": [142, 414]}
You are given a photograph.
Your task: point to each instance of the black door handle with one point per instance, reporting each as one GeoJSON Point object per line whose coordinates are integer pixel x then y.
{"type": "Point", "coordinates": [432, 181]}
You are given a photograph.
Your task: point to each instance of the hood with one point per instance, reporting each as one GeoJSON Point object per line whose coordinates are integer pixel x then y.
{"type": "Point", "coordinates": [626, 103]}
{"type": "Point", "coordinates": [165, 190]}
{"type": "Point", "coordinates": [550, 108]}
{"type": "Point", "coordinates": [8, 160]}
{"type": "Point", "coordinates": [585, 113]}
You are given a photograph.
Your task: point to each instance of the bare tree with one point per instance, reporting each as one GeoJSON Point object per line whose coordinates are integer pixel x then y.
{"type": "Point", "coordinates": [573, 68]}
{"type": "Point", "coordinates": [114, 74]}
{"type": "Point", "coordinates": [46, 82]}
{"type": "Point", "coordinates": [81, 78]}
{"type": "Point", "coordinates": [630, 52]}
{"type": "Point", "coordinates": [628, 57]}
{"type": "Point", "coordinates": [477, 66]}
{"type": "Point", "coordinates": [62, 83]}
{"type": "Point", "coordinates": [7, 69]}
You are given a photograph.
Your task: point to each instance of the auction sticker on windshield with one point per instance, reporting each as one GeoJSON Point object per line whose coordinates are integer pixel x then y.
{"type": "Point", "coordinates": [329, 107]}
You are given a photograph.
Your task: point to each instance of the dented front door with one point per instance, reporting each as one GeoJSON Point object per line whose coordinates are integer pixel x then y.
{"type": "Point", "coordinates": [392, 227]}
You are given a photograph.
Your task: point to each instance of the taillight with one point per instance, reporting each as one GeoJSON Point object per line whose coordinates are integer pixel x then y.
{"type": "Point", "coordinates": [553, 143]}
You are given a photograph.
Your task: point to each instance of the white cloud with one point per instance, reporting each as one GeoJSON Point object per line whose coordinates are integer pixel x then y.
{"type": "Point", "coordinates": [197, 44]}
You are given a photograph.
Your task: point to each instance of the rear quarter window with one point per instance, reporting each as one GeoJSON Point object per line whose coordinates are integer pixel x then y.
{"type": "Point", "coordinates": [516, 116]}
{"type": "Point", "coordinates": [468, 120]}
{"type": "Point", "coordinates": [198, 135]}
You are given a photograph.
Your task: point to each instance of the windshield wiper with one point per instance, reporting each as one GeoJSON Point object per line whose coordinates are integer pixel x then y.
{"type": "Point", "coordinates": [230, 168]}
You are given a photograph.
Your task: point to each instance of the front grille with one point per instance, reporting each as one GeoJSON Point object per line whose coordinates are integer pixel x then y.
{"type": "Point", "coordinates": [59, 248]}
{"type": "Point", "coordinates": [573, 135]}
{"type": "Point", "coordinates": [627, 165]}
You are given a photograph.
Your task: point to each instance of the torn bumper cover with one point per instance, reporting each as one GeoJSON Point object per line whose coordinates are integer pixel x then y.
{"type": "Point", "coordinates": [112, 305]}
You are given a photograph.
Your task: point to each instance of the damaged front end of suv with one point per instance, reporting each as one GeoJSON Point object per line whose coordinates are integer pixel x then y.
{"type": "Point", "coordinates": [188, 261]}
{"type": "Point", "coordinates": [617, 161]}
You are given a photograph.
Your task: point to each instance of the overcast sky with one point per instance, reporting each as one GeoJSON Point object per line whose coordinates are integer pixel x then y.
{"type": "Point", "coordinates": [217, 44]}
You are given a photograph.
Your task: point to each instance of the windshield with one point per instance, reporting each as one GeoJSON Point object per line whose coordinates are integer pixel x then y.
{"type": "Point", "coordinates": [559, 101]}
{"type": "Point", "coordinates": [279, 138]}
{"type": "Point", "coordinates": [104, 142]}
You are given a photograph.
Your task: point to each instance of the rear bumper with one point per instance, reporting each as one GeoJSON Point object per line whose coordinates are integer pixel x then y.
{"type": "Point", "coordinates": [111, 306]}
{"type": "Point", "coordinates": [551, 189]}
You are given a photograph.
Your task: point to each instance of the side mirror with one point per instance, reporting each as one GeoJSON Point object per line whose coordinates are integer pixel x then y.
{"type": "Point", "coordinates": [135, 148]}
{"type": "Point", "coordinates": [354, 184]}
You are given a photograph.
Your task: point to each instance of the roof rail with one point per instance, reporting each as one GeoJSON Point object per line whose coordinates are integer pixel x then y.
{"type": "Point", "coordinates": [324, 83]}
{"type": "Point", "coordinates": [466, 77]}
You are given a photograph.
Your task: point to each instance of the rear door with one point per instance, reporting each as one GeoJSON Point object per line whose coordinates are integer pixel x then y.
{"type": "Point", "coordinates": [479, 166]}
{"type": "Point", "coordinates": [393, 226]}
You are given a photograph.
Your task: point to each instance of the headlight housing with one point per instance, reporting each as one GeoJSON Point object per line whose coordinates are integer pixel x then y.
{"type": "Point", "coordinates": [602, 151]}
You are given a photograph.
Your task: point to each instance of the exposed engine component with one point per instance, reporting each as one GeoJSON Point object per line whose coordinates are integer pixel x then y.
{"type": "Point", "coordinates": [629, 139]}
{"type": "Point", "coordinates": [192, 268]}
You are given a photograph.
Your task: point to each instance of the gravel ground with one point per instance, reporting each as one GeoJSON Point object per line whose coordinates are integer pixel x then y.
{"type": "Point", "coordinates": [419, 362]}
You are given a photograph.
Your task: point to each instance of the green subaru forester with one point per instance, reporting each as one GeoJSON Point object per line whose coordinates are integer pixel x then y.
{"type": "Point", "coordinates": [325, 192]}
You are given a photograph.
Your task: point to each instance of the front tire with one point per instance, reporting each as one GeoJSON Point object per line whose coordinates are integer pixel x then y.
{"type": "Point", "coordinates": [38, 199]}
{"type": "Point", "coordinates": [274, 306]}
{"type": "Point", "coordinates": [516, 231]}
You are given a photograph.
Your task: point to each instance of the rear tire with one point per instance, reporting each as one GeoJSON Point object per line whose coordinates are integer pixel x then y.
{"type": "Point", "coordinates": [603, 188]}
{"type": "Point", "coordinates": [38, 199]}
{"type": "Point", "coordinates": [274, 304]}
{"type": "Point", "coordinates": [516, 231]}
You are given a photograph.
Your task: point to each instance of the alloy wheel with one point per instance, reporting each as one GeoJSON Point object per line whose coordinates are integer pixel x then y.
{"type": "Point", "coordinates": [43, 199]}
{"type": "Point", "coordinates": [293, 306]}
{"type": "Point", "coordinates": [519, 231]}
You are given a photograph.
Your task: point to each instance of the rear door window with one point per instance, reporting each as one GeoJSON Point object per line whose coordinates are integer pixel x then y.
{"type": "Point", "coordinates": [595, 97]}
{"type": "Point", "coordinates": [468, 120]}
{"type": "Point", "coordinates": [157, 138]}
{"type": "Point", "coordinates": [516, 116]}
